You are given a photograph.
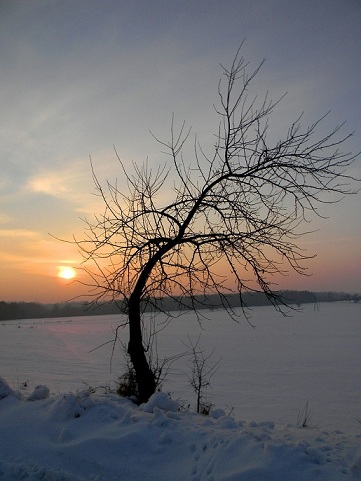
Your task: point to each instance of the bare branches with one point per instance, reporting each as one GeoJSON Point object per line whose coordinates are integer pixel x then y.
{"type": "Point", "coordinates": [235, 218]}
{"type": "Point", "coordinates": [201, 373]}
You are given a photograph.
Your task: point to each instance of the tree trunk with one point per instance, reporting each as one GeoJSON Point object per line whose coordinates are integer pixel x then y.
{"type": "Point", "coordinates": [144, 376]}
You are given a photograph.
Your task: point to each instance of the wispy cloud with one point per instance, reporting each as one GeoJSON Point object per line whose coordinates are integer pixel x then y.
{"type": "Point", "coordinates": [50, 185]}
{"type": "Point", "coordinates": [18, 233]}
{"type": "Point", "coordinates": [31, 252]}
{"type": "Point", "coordinates": [72, 183]}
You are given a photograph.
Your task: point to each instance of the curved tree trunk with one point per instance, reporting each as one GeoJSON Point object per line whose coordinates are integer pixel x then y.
{"type": "Point", "coordinates": [144, 376]}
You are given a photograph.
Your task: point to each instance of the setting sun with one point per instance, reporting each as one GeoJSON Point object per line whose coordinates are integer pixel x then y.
{"type": "Point", "coordinates": [66, 272]}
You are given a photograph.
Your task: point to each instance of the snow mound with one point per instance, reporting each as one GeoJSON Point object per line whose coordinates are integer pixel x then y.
{"type": "Point", "coordinates": [6, 390]}
{"type": "Point", "coordinates": [162, 401]}
{"type": "Point", "coordinates": [40, 392]}
{"type": "Point", "coordinates": [102, 437]}
{"type": "Point", "coordinates": [69, 406]}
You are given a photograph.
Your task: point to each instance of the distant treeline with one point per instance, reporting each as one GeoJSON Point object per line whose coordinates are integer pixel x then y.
{"type": "Point", "coordinates": [34, 310]}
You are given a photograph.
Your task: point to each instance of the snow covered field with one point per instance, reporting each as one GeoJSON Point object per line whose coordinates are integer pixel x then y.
{"type": "Point", "coordinates": [266, 376]}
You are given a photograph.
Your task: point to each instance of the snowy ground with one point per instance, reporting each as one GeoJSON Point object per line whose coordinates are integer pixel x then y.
{"type": "Point", "coordinates": [103, 437]}
{"type": "Point", "coordinates": [86, 435]}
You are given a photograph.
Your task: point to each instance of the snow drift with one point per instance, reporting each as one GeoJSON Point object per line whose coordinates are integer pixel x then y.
{"type": "Point", "coordinates": [102, 437]}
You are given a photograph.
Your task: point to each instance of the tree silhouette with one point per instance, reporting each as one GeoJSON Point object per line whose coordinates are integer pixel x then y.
{"type": "Point", "coordinates": [233, 219]}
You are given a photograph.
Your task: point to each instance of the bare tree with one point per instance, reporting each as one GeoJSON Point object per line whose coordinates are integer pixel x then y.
{"type": "Point", "coordinates": [233, 220]}
{"type": "Point", "coordinates": [202, 370]}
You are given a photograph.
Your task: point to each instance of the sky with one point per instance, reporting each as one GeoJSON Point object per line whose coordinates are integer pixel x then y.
{"type": "Point", "coordinates": [79, 77]}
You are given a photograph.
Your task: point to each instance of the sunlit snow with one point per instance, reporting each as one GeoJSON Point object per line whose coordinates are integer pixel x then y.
{"type": "Point", "coordinates": [53, 426]}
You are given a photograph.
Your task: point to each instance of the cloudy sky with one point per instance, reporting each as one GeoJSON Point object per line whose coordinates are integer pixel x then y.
{"type": "Point", "coordinates": [78, 77]}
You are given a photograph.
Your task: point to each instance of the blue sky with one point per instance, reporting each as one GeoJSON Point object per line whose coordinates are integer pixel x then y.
{"type": "Point", "coordinates": [78, 77]}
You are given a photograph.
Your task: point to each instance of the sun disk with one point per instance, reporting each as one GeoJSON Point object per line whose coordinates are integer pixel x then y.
{"type": "Point", "coordinates": [66, 272]}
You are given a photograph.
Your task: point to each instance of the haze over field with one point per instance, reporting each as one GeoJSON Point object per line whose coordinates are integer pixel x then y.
{"type": "Point", "coordinates": [80, 77]}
